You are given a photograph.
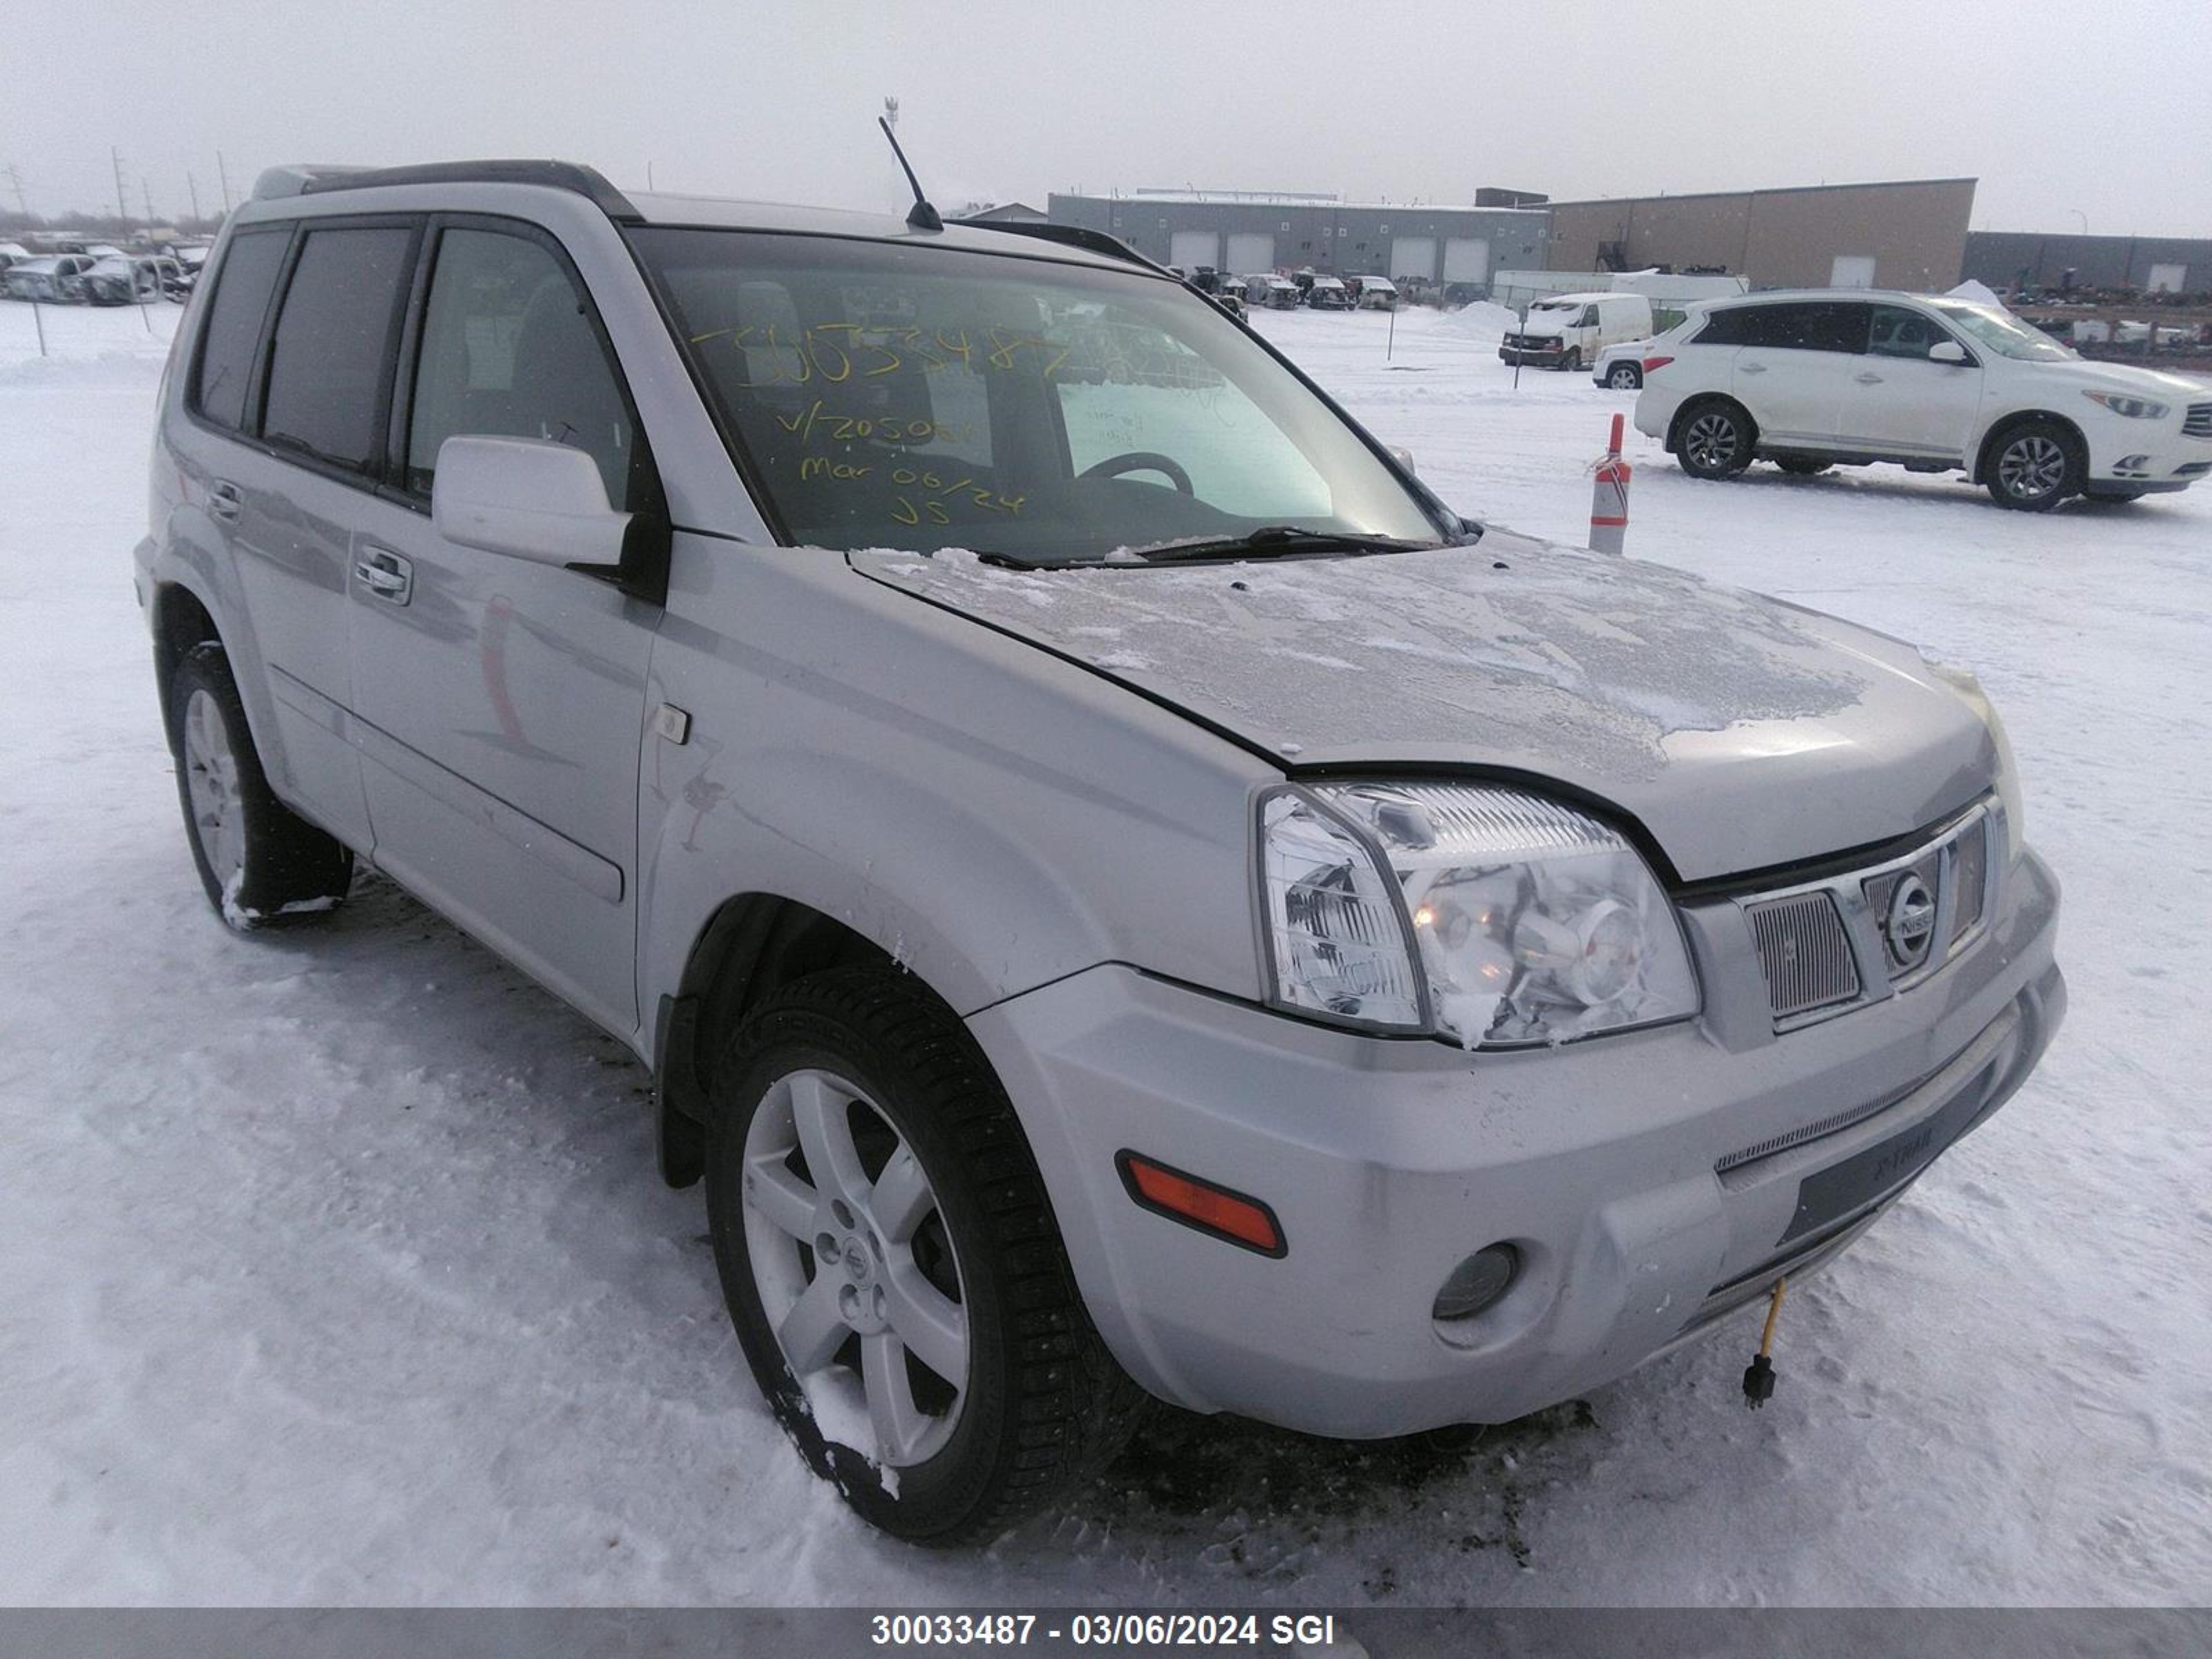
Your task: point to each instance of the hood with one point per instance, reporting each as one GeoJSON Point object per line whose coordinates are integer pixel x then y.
{"type": "Point", "coordinates": [2098, 375]}
{"type": "Point", "coordinates": [1742, 733]}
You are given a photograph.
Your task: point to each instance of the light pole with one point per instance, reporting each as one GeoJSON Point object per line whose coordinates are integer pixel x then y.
{"type": "Point", "coordinates": [2083, 217]}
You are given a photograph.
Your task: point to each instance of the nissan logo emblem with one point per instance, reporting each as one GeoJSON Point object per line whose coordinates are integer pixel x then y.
{"type": "Point", "coordinates": [1908, 926]}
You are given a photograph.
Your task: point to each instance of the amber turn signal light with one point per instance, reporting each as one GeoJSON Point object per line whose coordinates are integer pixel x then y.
{"type": "Point", "coordinates": [1215, 1210]}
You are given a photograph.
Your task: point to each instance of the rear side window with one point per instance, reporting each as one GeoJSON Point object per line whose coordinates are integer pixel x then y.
{"type": "Point", "coordinates": [508, 350]}
{"type": "Point", "coordinates": [1818, 326]}
{"type": "Point", "coordinates": [242, 288]}
{"type": "Point", "coordinates": [327, 389]}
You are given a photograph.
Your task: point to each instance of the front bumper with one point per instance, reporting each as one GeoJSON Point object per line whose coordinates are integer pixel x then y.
{"type": "Point", "coordinates": [1388, 1162]}
{"type": "Point", "coordinates": [1531, 354]}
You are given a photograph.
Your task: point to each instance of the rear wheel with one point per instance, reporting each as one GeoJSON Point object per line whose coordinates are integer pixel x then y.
{"type": "Point", "coordinates": [892, 1267]}
{"type": "Point", "coordinates": [1623, 377]}
{"type": "Point", "coordinates": [1713, 438]}
{"type": "Point", "coordinates": [260, 862]}
{"type": "Point", "coordinates": [2032, 466]}
{"type": "Point", "coordinates": [1804, 466]}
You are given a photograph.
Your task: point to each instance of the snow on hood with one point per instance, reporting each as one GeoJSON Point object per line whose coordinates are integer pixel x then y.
{"type": "Point", "coordinates": [1742, 732]}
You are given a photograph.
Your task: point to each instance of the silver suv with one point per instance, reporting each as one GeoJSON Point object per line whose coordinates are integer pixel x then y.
{"type": "Point", "coordinates": [1121, 892]}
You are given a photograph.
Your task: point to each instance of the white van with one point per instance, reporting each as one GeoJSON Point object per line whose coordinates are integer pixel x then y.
{"type": "Point", "coordinates": [1569, 330]}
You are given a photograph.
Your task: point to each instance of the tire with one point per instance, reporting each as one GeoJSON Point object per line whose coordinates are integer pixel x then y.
{"type": "Point", "coordinates": [1714, 438]}
{"type": "Point", "coordinates": [1804, 466]}
{"type": "Point", "coordinates": [261, 863]}
{"type": "Point", "coordinates": [1572, 360]}
{"type": "Point", "coordinates": [867, 1073]}
{"type": "Point", "coordinates": [2032, 465]}
{"type": "Point", "coordinates": [1625, 377]}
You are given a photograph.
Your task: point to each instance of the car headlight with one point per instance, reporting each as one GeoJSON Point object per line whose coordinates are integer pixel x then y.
{"type": "Point", "coordinates": [2135, 409]}
{"type": "Point", "coordinates": [1486, 915]}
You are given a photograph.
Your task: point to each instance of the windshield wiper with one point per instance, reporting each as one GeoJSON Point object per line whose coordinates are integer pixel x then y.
{"type": "Point", "coordinates": [1274, 539]}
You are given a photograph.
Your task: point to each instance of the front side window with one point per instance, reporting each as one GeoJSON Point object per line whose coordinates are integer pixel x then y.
{"type": "Point", "coordinates": [333, 339]}
{"type": "Point", "coordinates": [242, 288]}
{"type": "Point", "coordinates": [508, 350]}
{"type": "Point", "coordinates": [1899, 332]}
{"type": "Point", "coordinates": [885, 396]}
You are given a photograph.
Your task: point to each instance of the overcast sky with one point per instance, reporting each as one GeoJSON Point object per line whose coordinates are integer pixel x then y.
{"type": "Point", "coordinates": [2064, 113]}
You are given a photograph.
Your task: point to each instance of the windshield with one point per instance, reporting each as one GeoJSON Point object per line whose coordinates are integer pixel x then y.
{"type": "Point", "coordinates": [887, 395]}
{"type": "Point", "coordinates": [2004, 333]}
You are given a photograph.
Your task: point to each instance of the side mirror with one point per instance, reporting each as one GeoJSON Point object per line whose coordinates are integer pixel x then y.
{"type": "Point", "coordinates": [1947, 351]}
{"type": "Point", "coordinates": [1404, 458]}
{"type": "Point", "coordinates": [526, 499]}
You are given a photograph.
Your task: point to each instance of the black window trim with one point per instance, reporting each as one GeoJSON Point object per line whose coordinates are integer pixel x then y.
{"type": "Point", "coordinates": [285, 229]}
{"type": "Point", "coordinates": [399, 409]}
{"type": "Point", "coordinates": [249, 432]}
{"type": "Point", "coordinates": [372, 478]}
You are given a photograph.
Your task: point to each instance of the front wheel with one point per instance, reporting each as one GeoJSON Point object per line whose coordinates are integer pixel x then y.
{"type": "Point", "coordinates": [260, 862]}
{"type": "Point", "coordinates": [1573, 359]}
{"type": "Point", "coordinates": [1714, 439]}
{"type": "Point", "coordinates": [892, 1267]}
{"type": "Point", "coordinates": [2033, 466]}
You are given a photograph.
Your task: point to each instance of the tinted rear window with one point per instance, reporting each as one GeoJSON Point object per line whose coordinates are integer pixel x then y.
{"type": "Point", "coordinates": [333, 338]}
{"type": "Point", "coordinates": [233, 325]}
{"type": "Point", "coordinates": [1831, 326]}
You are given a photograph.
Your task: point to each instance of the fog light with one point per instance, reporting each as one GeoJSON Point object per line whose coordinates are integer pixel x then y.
{"type": "Point", "coordinates": [2133, 464]}
{"type": "Point", "coordinates": [1476, 1283]}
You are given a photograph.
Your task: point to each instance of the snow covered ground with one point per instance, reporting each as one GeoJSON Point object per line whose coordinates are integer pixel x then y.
{"type": "Point", "coordinates": [333, 1268]}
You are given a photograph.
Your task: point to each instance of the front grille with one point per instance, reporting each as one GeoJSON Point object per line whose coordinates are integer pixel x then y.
{"type": "Point", "coordinates": [2198, 421]}
{"type": "Point", "coordinates": [1805, 952]}
{"type": "Point", "coordinates": [1971, 880]}
{"type": "Point", "coordinates": [1831, 944]}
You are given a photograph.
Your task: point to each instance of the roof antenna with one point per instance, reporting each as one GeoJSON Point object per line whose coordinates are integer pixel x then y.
{"type": "Point", "coordinates": [920, 215]}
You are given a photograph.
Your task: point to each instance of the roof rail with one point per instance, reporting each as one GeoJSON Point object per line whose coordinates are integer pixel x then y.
{"type": "Point", "coordinates": [1094, 241]}
{"type": "Point", "coordinates": [584, 181]}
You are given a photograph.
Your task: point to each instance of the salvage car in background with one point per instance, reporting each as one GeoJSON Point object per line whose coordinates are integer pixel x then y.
{"type": "Point", "coordinates": [1374, 292]}
{"type": "Point", "coordinates": [57, 279]}
{"type": "Point", "coordinates": [1820, 378]}
{"type": "Point", "coordinates": [121, 280]}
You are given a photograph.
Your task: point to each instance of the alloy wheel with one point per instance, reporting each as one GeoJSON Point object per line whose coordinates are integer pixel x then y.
{"type": "Point", "coordinates": [2033, 466]}
{"type": "Point", "coordinates": [1623, 378]}
{"type": "Point", "coordinates": [1710, 442]}
{"type": "Point", "coordinates": [854, 1268]}
{"type": "Point", "coordinates": [211, 777]}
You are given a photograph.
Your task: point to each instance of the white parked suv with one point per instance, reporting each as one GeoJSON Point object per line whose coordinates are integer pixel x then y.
{"type": "Point", "coordinates": [1816, 379]}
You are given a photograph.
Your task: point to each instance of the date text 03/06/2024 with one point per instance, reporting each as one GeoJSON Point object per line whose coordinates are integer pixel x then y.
{"type": "Point", "coordinates": [962, 1630]}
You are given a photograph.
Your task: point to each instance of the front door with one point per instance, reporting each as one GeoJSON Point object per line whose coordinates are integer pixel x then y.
{"type": "Point", "coordinates": [1898, 402]}
{"type": "Point", "coordinates": [504, 700]}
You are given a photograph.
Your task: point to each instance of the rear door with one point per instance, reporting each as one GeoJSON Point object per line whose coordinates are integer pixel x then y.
{"type": "Point", "coordinates": [1900, 403]}
{"type": "Point", "coordinates": [503, 699]}
{"type": "Point", "coordinates": [1796, 361]}
{"type": "Point", "coordinates": [299, 421]}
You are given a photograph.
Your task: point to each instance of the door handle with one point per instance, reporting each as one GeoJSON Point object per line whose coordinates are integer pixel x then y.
{"type": "Point", "coordinates": [386, 575]}
{"type": "Point", "coordinates": [1751, 368]}
{"type": "Point", "coordinates": [225, 500]}
{"type": "Point", "coordinates": [1868, 378]}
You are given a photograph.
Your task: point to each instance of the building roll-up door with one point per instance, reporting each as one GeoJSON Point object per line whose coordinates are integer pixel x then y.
{"type": "Point", "coordinates": [1414, 256]}
{"type": "Point", "coordinates": [1466, 260]}
{"type": "Point", "coordinates": [1251, 251]}
{"type": "Point", "coordinates": [1192, 248]}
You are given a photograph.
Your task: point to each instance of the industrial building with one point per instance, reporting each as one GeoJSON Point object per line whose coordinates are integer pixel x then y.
{"type": "Point", "coordinates": [2006, 259]}
{"type": "Point", "coordinates": [1243, 232]}
{"type": "Point", "coordinates": [1910, 233]}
